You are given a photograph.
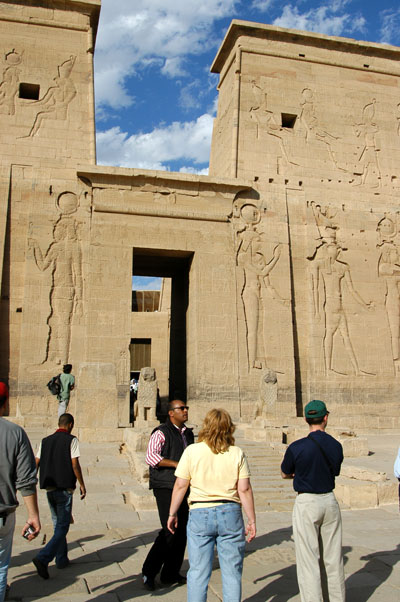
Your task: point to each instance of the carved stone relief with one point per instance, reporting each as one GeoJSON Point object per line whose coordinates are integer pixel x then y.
{"type": "Point", "coordinates": [266, 121]}
{"type": "Point", "coordinates": [63, 258]}
{"type": "Point", "coordinates": [325, 226]}
{"type": "Point", "coordinates": [254, 273]}
{"type": "Point", "coordinates": [368, 156]}
{"type": "Point", "coordinates": [10, 84]}
{"type": "Point", "coordinates": [328, 274]}
{"type": "Point", "coordinates": [54, 104]}
{"type": "Point", "coordinates": [362, 164]}
{"type": "Point", "coordinates": [389, 272]}
{"type": "Point", "coordinates": [123, 371]}
{"type": "Point", "coordinates": [313, 129]}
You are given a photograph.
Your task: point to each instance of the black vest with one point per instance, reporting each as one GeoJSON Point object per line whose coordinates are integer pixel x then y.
{"type": "Point", "coordinates": [163, 477]}
{"type": "Point", "coordinates": [55, 462]}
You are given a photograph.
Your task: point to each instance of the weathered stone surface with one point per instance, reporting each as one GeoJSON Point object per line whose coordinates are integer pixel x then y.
{"type": "Point", "coordinates": [365, 494]}
{"type": "Point", "coordinates": [362, 474]}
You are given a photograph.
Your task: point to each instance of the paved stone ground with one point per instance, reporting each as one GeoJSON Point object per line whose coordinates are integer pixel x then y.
{"type": "Point", "coordinates": [109, 542]}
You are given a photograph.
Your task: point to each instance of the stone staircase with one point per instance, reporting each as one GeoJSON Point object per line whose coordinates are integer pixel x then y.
{"type": "Point", "coordinates": [122, 478]}
{"type": "Point", "coordinates": [271, 492]}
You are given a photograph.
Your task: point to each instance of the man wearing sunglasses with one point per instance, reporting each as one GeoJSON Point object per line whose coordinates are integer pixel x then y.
{"type": "Point", "coordinates": [167, 443]}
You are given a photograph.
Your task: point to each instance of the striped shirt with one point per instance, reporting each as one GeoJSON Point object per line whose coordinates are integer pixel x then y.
{"type": "Point", "coordinates": [155, 446]}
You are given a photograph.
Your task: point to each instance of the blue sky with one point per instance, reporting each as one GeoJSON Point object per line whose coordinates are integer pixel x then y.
{"type": "Point", "coordinates": [155, 95]}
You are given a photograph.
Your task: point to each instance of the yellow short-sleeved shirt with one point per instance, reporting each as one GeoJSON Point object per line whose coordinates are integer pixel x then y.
{"type": "Point", "coordinates": [212, 476]}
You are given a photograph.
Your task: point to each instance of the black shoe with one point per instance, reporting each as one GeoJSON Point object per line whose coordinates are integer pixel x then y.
{"type": "Point", "coordinates": [178, 580]}
{"type": "Point", "coordinates": [148, 583]}
{"type": "Point", "coordinates": [41, 568]}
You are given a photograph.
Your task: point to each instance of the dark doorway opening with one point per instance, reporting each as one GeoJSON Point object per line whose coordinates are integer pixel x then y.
{"type": "Point", "coordinates": [175, 265]}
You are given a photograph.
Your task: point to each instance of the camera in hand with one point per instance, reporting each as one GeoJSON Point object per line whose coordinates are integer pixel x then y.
{"type": "Point", "coordinates": [29, 531]}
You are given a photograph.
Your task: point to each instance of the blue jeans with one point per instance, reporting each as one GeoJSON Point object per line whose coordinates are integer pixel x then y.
{"type": "Point", "coordinates": [60, 502]}
{"type": "Point", "coordinates": [6, 539]}
{"type": "Point", "coordinates": [221, 526]}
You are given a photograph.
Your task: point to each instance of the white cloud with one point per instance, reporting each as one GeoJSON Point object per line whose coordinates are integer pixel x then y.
{"type": "Point", "coordinates": [190, 95]}
{"type": "Point", "coordinates": [328, 19]}
{"type": "Point", "coordinates": [154, 150]}
{"type": "Point", "coordinates": [198, 172]}
{"type": "Point", "coordinates": [261, 5]}
{"type": "Point", "coordinates": [146, 283]}
{"type": "Point", "coordinates": [174, 68]}
{"type": "Point", "coordinates": [131, 33]}
{"type": "Point", "coordinates": [390, 27]}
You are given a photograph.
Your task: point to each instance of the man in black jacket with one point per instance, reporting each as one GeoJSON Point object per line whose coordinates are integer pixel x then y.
{"type": "Point", "coordinates": [167, 444]}
{"type": "Point", "coordinates": [58, 458]}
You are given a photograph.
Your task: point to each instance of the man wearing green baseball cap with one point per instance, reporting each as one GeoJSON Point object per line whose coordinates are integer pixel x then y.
{"type": "Point", "coordinates": [312, 463]}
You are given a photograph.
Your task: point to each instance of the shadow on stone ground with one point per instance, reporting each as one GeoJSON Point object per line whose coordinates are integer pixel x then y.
{"type": "Point", "coordinates": [281, 586]}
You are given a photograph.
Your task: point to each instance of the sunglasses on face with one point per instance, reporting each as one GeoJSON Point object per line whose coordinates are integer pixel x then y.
{"type": "Point", "coordinates": [180, 408]}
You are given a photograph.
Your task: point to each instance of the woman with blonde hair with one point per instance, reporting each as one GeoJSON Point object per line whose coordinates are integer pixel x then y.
{"type": "Point", "coordinates": [219, 478]}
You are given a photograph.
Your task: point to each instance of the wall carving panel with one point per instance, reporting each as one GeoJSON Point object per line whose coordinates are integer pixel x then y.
{"type": "Point", "coordinates": [10, 83]}
{"type": "Point", "coordinates": [55, 103]}
{"type": "Point", "coordinates": [254, 268]}
{"type": "Point", "coordinates": [63, 258]}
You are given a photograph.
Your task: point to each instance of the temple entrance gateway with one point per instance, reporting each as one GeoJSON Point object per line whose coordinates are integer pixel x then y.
{"type": "Point", "coordinates": [174, 265]}
{"type": "Point", "coordinates": [283, 261]}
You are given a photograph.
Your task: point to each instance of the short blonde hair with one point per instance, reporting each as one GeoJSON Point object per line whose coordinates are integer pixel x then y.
{"type": "Point", "coordinates": [217, 431]}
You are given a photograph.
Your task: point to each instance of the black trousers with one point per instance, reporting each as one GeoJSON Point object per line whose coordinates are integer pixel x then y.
{"type": "Point", "coordinates": [167, 552]}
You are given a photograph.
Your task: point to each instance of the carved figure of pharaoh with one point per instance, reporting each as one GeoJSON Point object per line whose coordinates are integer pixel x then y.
{"type": "Point", "coordinates": [268, 394]}
{"type": "Point", "coordinates": [145, 405]}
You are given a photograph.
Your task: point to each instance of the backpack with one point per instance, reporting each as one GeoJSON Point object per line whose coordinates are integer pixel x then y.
{"type": "Point", "coordinates": [54, 385]}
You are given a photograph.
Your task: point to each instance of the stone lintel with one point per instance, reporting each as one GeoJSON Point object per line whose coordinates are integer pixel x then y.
{"type": "Point", "coordinates": [261, 31]}
{"type": "Point", "coordinates": [101, 176]}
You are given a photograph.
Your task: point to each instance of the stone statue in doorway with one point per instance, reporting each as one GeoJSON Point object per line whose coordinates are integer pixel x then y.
{"type": "Point", "coordinates": [266, 405]}
{"type": "Point", "coordinates": [144, 410]}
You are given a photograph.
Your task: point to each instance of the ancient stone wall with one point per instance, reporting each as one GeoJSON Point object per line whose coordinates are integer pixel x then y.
{"type": "Point", "coordinates": [284, 261]}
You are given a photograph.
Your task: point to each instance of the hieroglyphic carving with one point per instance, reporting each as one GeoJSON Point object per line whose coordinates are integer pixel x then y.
{"type": "Point", "coordinates": [312, 127]}
{"type": "Point", "coordinates": [123, 375]}
{"type": "Point", "coordinates": [10, 83]}
{"type": "Point", "coordinates": [64, 258]}
{"type": "Point", "coordinates": [368, 156]}
{"type": "Point", "coordinates": [389, 271]}
{"type": "Point", "coordinates": [144, 410]}
{"type": "Point", "coordinates": [327, 276]}
{"type": "Point", "coordinates": [57, 98]}
{"type": "Point", "coordinates": [255, 271]}
{"type": "Point", "coordinates": [265, 119]}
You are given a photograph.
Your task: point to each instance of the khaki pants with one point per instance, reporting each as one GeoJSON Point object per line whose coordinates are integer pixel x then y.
{"type": "Point", "coordinates": [317, 526]}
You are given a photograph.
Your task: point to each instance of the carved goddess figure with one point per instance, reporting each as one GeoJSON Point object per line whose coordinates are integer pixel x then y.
{"type": "Point", "coordinates": [64, 259]}
{"type": "Point", "coordinates": [389, 270]}
{"type": "Point", "coordinates": [255, 273]}
{"type": "Point", "coordinates": [329, 274]}
{"type": "Point", "coordinates": [10, 85]}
